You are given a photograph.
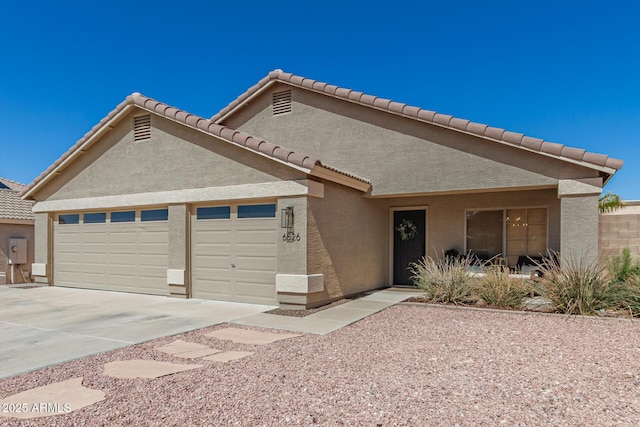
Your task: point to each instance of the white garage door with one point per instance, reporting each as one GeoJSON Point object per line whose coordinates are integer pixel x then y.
{"type": "Point", "coordinates": [120, 251]}
{"type": "Point", "coordinates": [234, 252]}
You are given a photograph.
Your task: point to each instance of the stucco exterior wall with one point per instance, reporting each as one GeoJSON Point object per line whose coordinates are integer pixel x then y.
{"type": "Point", "coordinates": [7, 232]}
{"type": "Point", "coordinates": [346, 242]}
{"type": "Point", "coordinates": [367, 142]}
{"type": "Point", "coordinates": [446, 215]}
{"type": "Point", "coordinates": [579, 234]}
{"type": "Point", "coordinates": [619, 230]}
{"type": "Point", "coordinates": [175, 158]}
{"type": "Point", "coordinates": [348, 235]}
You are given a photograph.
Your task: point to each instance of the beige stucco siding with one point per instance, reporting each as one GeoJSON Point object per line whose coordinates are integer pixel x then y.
{"type": "Point", "coordinates": [346, 242]}
{"type": "Point", "coordinates": [176, 157]}
{"type": "Point", "coordinates": [446, 215]}
{"type": "Point", "coordinates": [399, 155]}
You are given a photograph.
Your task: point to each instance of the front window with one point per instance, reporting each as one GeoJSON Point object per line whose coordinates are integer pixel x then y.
{"type": "Point", "coordinates": [509, 233]}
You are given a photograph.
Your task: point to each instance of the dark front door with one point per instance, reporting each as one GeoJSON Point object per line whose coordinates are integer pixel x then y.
{"type": "Point", "coordinates": [408, 243]}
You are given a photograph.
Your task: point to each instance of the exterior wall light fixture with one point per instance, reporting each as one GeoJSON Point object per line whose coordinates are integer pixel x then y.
{"type": "Point", "coordinates": [286, 217]}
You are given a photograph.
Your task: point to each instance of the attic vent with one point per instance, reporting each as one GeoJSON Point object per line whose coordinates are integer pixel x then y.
{"type": "Point", "coordinates": [141, 128]}
{"type": "Point", "coordinates": [281, 102]}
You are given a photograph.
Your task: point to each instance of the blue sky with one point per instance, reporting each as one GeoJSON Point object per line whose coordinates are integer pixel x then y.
{"type": "Point", "coordinates": [564, 71]}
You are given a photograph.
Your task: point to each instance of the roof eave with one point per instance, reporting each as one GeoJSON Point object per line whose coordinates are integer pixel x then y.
{"type": "Point", "coordinates": [320, 171]}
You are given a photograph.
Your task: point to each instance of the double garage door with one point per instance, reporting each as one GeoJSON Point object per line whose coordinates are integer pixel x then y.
{"type": "Point", "coordinates": [233, 251]}
{"type": "Point", "coordinates": [124, 251]}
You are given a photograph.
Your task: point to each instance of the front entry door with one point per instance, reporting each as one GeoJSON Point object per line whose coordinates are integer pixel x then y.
{"type": "Point", "coordinates": [408, 243]}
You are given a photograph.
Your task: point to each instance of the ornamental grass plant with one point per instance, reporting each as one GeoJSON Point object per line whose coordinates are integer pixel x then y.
{"type": "Point", "coordinates": [577, 287]}
{"type": "Point", "coordinates": [444, 280]}
{"type": "Point", "coordinates": [500, 289]}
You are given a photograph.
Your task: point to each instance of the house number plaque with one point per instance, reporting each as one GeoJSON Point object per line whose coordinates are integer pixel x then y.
{"type": "Point", "coordinates": [291, 237]}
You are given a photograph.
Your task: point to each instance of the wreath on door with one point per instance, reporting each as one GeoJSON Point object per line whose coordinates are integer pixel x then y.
{"type": "Point", "coordinates": [407, 229]}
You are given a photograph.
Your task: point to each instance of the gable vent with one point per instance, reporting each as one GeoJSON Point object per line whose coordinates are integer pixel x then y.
{"type": "Point", "coordinates": [281, 102]}
{"type": "Point", "coordinates": [141, 128]}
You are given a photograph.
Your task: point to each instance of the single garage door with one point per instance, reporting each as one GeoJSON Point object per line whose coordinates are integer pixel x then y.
{"type": "Point", "coordinates": [234, 252]}
{"type": "Point", "coordinates": [119, 251]}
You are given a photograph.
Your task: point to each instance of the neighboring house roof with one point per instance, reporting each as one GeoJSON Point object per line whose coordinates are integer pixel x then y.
{"type": "Point", "coordinates": [12, 207]}
{"type": "Point", "coordinates": [282, 155]}
{"type": "Point", "coordinates": [600, 162]}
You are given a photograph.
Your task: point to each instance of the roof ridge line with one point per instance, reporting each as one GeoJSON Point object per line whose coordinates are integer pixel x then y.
{"type": "Point", "coordinates": [482, 130]}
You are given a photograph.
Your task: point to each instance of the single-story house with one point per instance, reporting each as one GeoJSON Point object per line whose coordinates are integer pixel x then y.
{"type": "Point", "coordinates": [298, 193]}
{"type": "Point", "coordinates": [16, 233]}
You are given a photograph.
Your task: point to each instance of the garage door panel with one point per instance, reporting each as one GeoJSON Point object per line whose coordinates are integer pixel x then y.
{"type": "Point", "coordinates": [256, 237]}
{"type": "Point", "coordinates": [260, 264]}
{"type": "Point", "coordinates": [153, 236]}
{"type": "Point", "coordinates": [217, 237]}
{"type": "Point", "coordinates": [252, 292]}
{"type": "Point", "coordinates": [155, 260]}
{"type": "Point", "coordinates": [214, 261]}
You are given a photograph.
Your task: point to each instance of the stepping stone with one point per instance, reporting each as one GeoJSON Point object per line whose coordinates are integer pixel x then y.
{"type": "Point", "coordinates": [244, 336]}
{"type": "Point", "coordinates": [140, 368]}
{"type": "Point", "coordinates": [53, 399]}
{"type": "Point", "coordinates": [187, 350]}
{"type": "Point", "coordinates": [228, 356]}
{"type": "Point", "coordinates": [195, 354]}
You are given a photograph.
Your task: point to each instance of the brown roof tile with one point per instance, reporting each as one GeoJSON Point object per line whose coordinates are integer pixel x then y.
{"type": "Point", "coordinates": [230, 135]}
{"type": "Point", "coordinates": [477, 129]}
{"type": "Point", "coordinates": [11, 205]}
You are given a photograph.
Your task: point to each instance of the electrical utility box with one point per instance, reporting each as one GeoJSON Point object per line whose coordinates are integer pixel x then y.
{"type": "Point", "coordinates": [17, 251]}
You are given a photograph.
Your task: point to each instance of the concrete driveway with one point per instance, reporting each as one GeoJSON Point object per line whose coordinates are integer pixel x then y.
{"type": "Point", "coordinates": [48, 325]}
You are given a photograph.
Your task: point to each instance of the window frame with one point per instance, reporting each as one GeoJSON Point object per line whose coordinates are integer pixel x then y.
{"type": "Point", "coordinates": [275, 211]}
{"type": "Point", "coordinates": [504, 210]}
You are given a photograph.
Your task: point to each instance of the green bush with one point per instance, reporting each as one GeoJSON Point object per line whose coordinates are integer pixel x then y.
{"type": "Point", "coordinates": [579, 287]}
{"type": "Point", "coordinates": [444, 280]}
{"type": "Point", "coordinates": [621, 267]}
{"type": "Point", "coordinates": [498, 288]}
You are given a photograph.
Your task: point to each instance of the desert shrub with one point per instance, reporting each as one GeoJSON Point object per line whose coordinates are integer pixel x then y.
{"type": "Point", "coordinates": [625, 294]}
{"type": "Point", "coordinates": [498, 288]}
{"type": "Point", "coordinates": [578, 287]}
{"type": "Point", "coordinates": [444, 279]}
{"type": "Point", "coordinates": [622, 266]}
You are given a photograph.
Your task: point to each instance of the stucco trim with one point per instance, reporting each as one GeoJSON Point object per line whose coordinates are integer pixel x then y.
{"type": "Point", "coordinates": [331, 175]}
{"type": "Point", "coordinates": [39, 269]}
{"type": "Point", "coordinates": [579, 187]}
{"type": "Point", "coordinates": [195, 195]}
{"type": "Point", "coordinates": [300, 283]}
{"type": "Point", "coordinates": [176, 276]}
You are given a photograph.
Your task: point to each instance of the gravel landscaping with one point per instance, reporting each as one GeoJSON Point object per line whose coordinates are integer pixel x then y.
{"type": "Point", "coordinates": [411, 364]}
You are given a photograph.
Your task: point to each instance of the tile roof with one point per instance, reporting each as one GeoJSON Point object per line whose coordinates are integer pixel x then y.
{"type": "Point", "coordinates": [443, 120]}
{"type": "Point", "coordinates": [11, 205]}
{"type": "Point", "coordinates": [232, 136]}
